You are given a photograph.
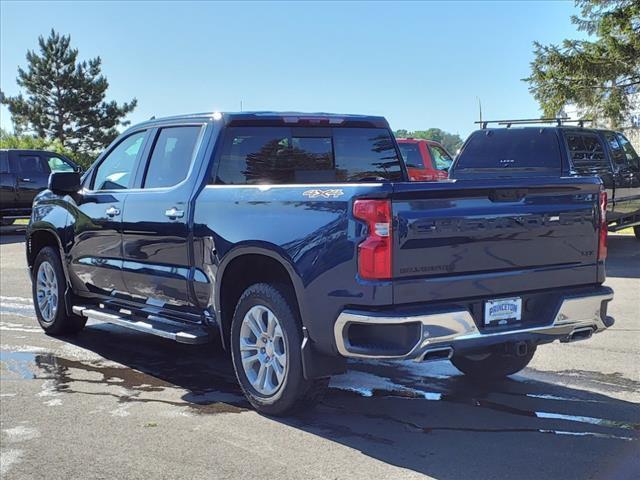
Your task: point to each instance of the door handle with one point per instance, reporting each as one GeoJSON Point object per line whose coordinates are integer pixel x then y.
{"type": "Point", "coordinates": [173, 212]}
{"type": "Point", "coordinates": [112, 211]}
{"type": "Point", "coordinates": [26, 180]}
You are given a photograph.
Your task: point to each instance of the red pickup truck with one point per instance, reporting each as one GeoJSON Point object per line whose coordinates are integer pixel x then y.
{"type": "Point", "coordinates": [426, 160]}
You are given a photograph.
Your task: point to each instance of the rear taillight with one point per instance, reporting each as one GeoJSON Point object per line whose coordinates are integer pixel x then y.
{"type": "Point", "coordinates": [374, 253]}
{"type": "Point", "coordinates": [602, 243]}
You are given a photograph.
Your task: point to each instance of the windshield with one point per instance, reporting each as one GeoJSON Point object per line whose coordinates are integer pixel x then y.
{"type": "Point", "coordinates": [630, 153]}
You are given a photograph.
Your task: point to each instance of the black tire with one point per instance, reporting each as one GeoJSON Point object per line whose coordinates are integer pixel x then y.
{"type": "Point", "coordinates": [60, 322]}
{"type": "Point", "coordinates": [636, 230]}
{"type": "Point", "coordinates": [493, 365]}
{"type": "Point", "coordinates": [293, 391]}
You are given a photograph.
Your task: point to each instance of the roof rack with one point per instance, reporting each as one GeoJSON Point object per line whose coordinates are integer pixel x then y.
{"type": "Point", "coordinates": [559, 121]}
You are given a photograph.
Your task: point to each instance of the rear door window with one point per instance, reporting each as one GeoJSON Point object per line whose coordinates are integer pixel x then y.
{"type": "Point", "coordinates": [283, 155]}
{"type": "Point", "coordinates": [172, 156]}
{"type": "Point", "coordinates": [586, 150]}
{"type": "Point", "coordinates": [29, 164]}
{"type": "Point", "coordinates": [509, 152]}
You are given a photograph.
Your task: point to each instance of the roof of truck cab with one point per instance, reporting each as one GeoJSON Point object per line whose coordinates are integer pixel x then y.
{"type": "Point", "coordinates": [33, 151]}
{"type": "Point", "coordinates": [259, 117]}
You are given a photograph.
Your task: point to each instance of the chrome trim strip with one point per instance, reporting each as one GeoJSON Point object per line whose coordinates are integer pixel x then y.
{"type": "Point", "coordinates": [268, 186]}
{"type": "Point", "coordinates": [446, 329]}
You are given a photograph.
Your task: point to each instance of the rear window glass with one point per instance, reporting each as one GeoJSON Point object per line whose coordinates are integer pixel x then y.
{"type": "Point", "coordinates": [281, 155]}
{"type": "Point", "coordinates": [508, 151]}
{"type": "Point", "coordinates": [411, 155]}
{"type": "Point", "coordinates": [365, 154]}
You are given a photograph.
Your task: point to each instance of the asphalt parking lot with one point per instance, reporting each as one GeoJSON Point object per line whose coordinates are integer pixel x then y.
{"type": "Point", "coordinates": [110, 403]}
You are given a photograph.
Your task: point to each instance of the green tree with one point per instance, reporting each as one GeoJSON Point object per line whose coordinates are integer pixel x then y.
{"type": "Point", "coordinates": [65, 98]}
{"type": "Point", "coordinates": [597, 75]}
{"type": "Point", "coordinates": [450, 141]}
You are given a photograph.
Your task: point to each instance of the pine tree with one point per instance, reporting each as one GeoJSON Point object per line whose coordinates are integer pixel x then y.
{"type": "Point", "coordinates": [599, 76]}
{"type": "Point", "coordinates": [65, 98]}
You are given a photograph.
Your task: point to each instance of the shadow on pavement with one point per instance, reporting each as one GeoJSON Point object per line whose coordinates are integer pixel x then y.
{"type": "Point", "coordinates": [423, 417]}
{"type": "Point", "coordinates": [623, 256]}
{"type": "Point", "coordinates": [12, 234]}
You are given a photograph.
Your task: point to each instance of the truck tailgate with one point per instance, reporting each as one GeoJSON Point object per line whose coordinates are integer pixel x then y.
{"type": "Point", "coordinates": [469, 238]}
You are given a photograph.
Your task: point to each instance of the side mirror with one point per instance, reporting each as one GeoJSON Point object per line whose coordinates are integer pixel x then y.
{"type": "Point", "coordinates": [62, 183]}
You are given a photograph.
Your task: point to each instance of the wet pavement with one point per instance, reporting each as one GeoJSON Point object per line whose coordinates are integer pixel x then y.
{"type": "Point", "coordinates": [111, 403]}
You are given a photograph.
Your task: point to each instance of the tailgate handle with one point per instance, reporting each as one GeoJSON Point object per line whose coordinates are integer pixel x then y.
{"type": "Point", "coordinates": [508, 195]}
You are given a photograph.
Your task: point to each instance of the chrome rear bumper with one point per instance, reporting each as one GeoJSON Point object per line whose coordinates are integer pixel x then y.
{"type": "Point", "coordinates": [577, 317]}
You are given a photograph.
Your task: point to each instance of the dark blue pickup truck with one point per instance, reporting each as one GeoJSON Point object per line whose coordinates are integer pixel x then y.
{"type": "Point", "coordinates": [297, 240]}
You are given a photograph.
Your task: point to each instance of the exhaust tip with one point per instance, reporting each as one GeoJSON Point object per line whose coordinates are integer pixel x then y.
{"type": "Point", "coordinates": [436, 354]}
{"type": "Point", "coordinates": [580, 334]}
{"type": "Point", "coordinates": [521, 349]}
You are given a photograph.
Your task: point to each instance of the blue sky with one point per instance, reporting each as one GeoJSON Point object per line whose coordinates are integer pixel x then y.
{"type": "Point", "coordinates": [419, 64]}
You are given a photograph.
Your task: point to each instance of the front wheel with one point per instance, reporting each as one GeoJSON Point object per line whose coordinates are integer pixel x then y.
{"type": "Point", "coordinates": [48, 289]}
{"type": "Point", "coordinates": [266, 340]}
{"type": "Point", "coordinates": [492, 365]}
{"type": "Point", "coordinates": [636, 230]}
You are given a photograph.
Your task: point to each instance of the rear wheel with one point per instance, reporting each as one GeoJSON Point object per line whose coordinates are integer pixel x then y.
{"type": "Point", "coordinates": [492, 365]}
{"type": "Point", "coordinates": [636, 230]}
{"type": "Point", "coordinates": [266, 340]}
{"type": "Point", "coordinates": [48, 289]}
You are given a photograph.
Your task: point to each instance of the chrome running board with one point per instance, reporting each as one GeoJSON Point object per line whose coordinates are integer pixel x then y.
{"type": "Point", "coordinates": [176, 331]}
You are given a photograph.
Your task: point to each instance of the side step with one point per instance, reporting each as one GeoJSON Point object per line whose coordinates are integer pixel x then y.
{"type": "Point", "coordinates": [155, 326]}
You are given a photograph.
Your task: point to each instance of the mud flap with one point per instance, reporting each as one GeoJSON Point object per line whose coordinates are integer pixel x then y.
{"type": "Point", "coordinates": [319, 365]}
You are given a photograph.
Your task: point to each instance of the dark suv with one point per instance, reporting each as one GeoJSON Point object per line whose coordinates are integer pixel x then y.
{"type": "Point", "coordinates": [298, 240]}
{"type": "Point", "coordinates": [563, 150]}
{"type": "Point", "coordinates": [24, 173]}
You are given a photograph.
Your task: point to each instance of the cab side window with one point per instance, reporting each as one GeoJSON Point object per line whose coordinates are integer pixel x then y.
{"type": "Point", "coordinates": [172, 156]}
{"type": "Point", "coordinates": [115, 172]}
